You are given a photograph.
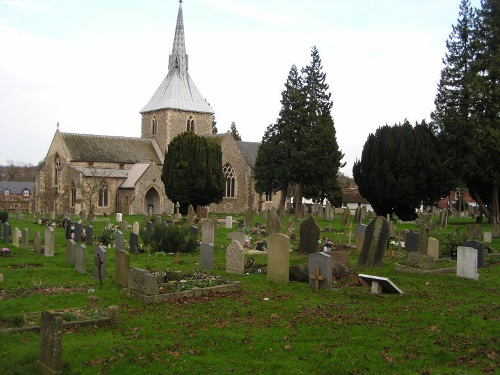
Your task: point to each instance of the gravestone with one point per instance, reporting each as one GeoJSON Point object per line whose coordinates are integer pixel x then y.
{"type": "Point", "coordinates": [360, 229]}
{"type": "Point", "coordinates": [81, 258]}
{"type": "Point", "coordinates": [487, 237]}
{"type": "Point", "coordinates": [375, 243]}
{"type": "Point", "coordinates": [360, 238]}
{"type": "Point", "coordinates": [411, 241]}
{"type": "Point", "coordinates": [177, 213]}
{"type": "Point", "coordinates": [320, 271]}
{"type": "Point", "coordinates": [142, 281]}
{"type": "Point", "coordinates": [273, 224]}
{"type": "Point", "coordinates": [89, 235]}
{"type": "Point", "coordinates": [278, 258]}
{"type": "Point", "coordinates": [380, 284]}
{"type": "Point", "coordinates": [25, 237]}
{"type": "Point", "coordinates": [215, 224]}
{"type": "Point", "coordinates": [199, 210]}
{"type": "Point", "coordinates": [6, 232]}
{"type": "Point", "coordinates": [328, 211]}
{"type": "Point", "coordinates": [443, 218]}
{"type": "Point", "coordinates": [249, 216]}
{"type": "Point", "coordinates": [49, 242]}
{"type": "Point", "coordinates": [119, 240]}
{"type": "Point", "coordinates": [68, 229]}
{"type": "Point", "coordinates": [134, 243]}
{"type": "Point", "coordinates": [205, 212]}
{"type": "Point", "coordinates": [123, 225]}
{"type": "Point", "coordinates": [190, 214]}
{"type": "Point", "coordinates": [433, 248]}
{"type": "Point", "coordinates": [70, 251]}
{"type": "Point", "coordinates": [135, 227]}
{"type": "Point", "coordinates": [193, 231]}
{"type": "Point", "coordinates": [229, 222]}
{"type": "Point", "coordinates": [235, 258]}
{"type": "Point", "coordinates": [357, 215]}
{"type": "Point", "coordinates": [99, 262]}
{"type": "Point", "coordinates": [78, 232]}
{"type": "Point", "coordinates": [15, 237]}
{"type": "Point", "coordinates": [37, 243]}
{"type": "Point", "coordinates": [237, 236]}
{"type": "Point", "coordinates": [473, 231]}
{"type": "Point", "coordinates": [479, 246]}
{"type": "Point", "coordinates": [207, 256]}
{"type": "Point", "coordinates": [122, 265]}
{"type": "Point", "coordinates": [467, 263]}
{"type": "Point", "coordinates": [207, 231]}
{"type": "Point", "coordinates": [51, 333]}
{"type": "Point", "coordinates": [363, 213]}
{"type": "Point", "coordinates": [339, 256]}
{"type": "Point", "coordinates": [309, 236]}
{"type": "Point", "coordinates": [119, 217]}
{"type": "Point", "coordinates": [344, 219]}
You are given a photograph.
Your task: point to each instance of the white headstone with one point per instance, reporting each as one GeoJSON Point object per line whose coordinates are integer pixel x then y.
{"type": "Point", "coordinates": [135, 227]}
{"type": "Point", "coordinates": [119, 217]}
{"type": "Point", "coordinates": [487, 237]}
{"type": "Point", "coordinates": [229, 222]}
{"type": "Point", "coordinates": [467, 263]}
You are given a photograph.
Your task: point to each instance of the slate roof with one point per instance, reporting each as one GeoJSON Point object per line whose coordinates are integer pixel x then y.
{"type": "Point", "coordinates": [111, 149]}
{"type": "Point", "coordinates": [16, 187]}
{"type": "Point", "coordinates": [102, 172]}
{"type": "Point", "coordinates": [134, 174]}
{"type": "Point", "coordinates": [178, 91]}
{"type": "Point", "coordinates": [249, 151]}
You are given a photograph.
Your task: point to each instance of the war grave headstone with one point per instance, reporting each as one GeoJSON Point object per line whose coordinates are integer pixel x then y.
{"type": "Point", "coordinates": [344, 219]}
{"type": "Point", "coordinates": [207, 256]}
{"type": "Point", "coordinates": [309, 236]}
{"type": "Point", "coordinates": [207, 231]}
{"type": "Point", "coordinates": [411, 241]}
{"type": "Point", "coordinates": [70, 251]}
{"type": "Point", "coordinates": [37, 243]}
{"type": "Point", "coordinates": [479, 246]}
{"type": "Point", "coordinates": [467, 263]}
{"type": "Point", "coordinates": [99, 268]}
{"type": "Point", "coordinates": [25, 237]}
{"type": "Point", "coordinates": [135, 227]}
{"type": "Point", "coordinates": [6, 232]}
{"type": "Point", "coordinates": [235, 258]}
{"type": "Point", "coordinates": [49, 242]}
{"type": "Point", "coordinates": [278, 258]}
{"type": "Point", "coordinates": [77, 234]}
{"type": "Point", "coordinates": [237, 236]}
{"type": "Point", "coordinates": [320, 271]}
{"type": "Point", "coordinates": [134, 243]}
{"type": "Point", "coordinates": [357, 215]}
{"type": "Point", "coordinates": [229, 222]}
{"type": "Point", "coordinates": [273, 224]}
{"type": "Point", "coordinates": [375, 243]}
{"type": "Point", "coordinates": [51, 333]}
{"type": "Point", "coordinates": [119, 217]}
{"type": "Point", "coordinates": [122, 265]}
{"type": "Point", "coordinates": [380, 284]}
{"type": "Point", "coordinates": [433, 248]}
{"type": "Point", "coordinates": [15, 237]}
{"type": "Point", "coordinates": [81, 258]}
{"type": "Point", "coordinates": [443, 218]}
{"type": "Point", "coordinates": [487, 237]}
{"type": "Point", "coordinates": [89, 235]}
{"type": "Point", "coordinates": [473, 231]}
{"type": "Point", "coordinates": [119, 240]}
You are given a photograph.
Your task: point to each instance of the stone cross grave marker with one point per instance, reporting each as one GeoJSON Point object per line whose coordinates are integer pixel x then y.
{"type": "Point", "coordinates": [320, 271]}
{"type": "Point", "coordinates": [49, 242]}
{"type": "Point", "coordinates": [380, 284]}
{"type": "Point", "coordinates": [122, 265]}
{"type": "Point", "coordinates": [81, 258]}
{"type": "Point", "coordinates": [425, 225]}
{"type": "Point", "coordinates": [235, 258]}
{"type": "Point", "coordinates": [309, 236]}
{"type": "Point", "coordinates": [375, 243]}
{"type": "Point", "coordinates": [177, 213]}
{"type": "Point", "coordinates": [99, 269]}
{"type": "Point", "coordinates": [51, 333]}
{"type": "Point", "coordinates": [278, 258]}
{"type": "Point", "coordinates": [467, 263]}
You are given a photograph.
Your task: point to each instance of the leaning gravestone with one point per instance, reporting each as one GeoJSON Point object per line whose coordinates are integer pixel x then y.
{"type": "Point", "coordinates": [134, 243]}
{"type": "Point", "coordinates": [443, 218]}
{"type": "Point", "coordinates": [344, 219]}
{"type": "Point", "coordinates": [479, 246]}
{"type": "Point", "coordinates": [37, 243]}
{"type": "Point", "coordinates": [51, 332]}
{"type": "Point", "coordinates": [467, 263]}
{"type": "Point", "coordinates": [122, 265]}
{"type": "Point", "coordinates": [278, 258]}
{"type": "Point", "coordinates": [70, 251]}
{"type": "Point", "coordinates": [15, 237]}
{"type": "Point", "coordinates": [99, 262]}
{"type": "Point", "coordinates": [89, 235]}
{"type": "Point", "coordinates": [411, 241]}
{"type": "Point", "coordinates": [357, 215]}
{"type": "Point", "coordinates": [273, 224]}
{"type": "Point", "coordinates": [81, 258]}
{"type": "Point", "coordinates": [249, 215]}
{"type": "Point", "coordinates": [49, 242]}
{"type": "Point", "coordinates": [320, 271]}
{"type": "Point", "coordinates": [6, 232]}
{"type": "Point", "coordinates": [235, 258]}
{"type": "Point", "coordinates": [207, 256]}
{"type": "Point", "coordinates": [309, 236]}
{"type": "Point", "coordinates": [375, 243]}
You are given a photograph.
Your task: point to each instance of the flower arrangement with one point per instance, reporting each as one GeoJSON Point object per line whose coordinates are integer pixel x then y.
{"type": "Point", "coordinates": [261, 245]}
{"type": "Point", "coordinates": [5, 252]}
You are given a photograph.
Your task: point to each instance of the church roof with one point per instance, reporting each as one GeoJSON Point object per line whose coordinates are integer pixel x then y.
{"type": "Point", "coordinates": [112, 149]}
{"type": "Point", "coordinates": [249, 151]}
{"type": "Point", "coordinates": [178, 91]}
{"type": "Point", "coordinates": [134, 174]}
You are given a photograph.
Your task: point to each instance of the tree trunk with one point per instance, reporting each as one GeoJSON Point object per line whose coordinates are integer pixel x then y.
{"type": "Point", "coordinates": [299, 193]}
{"type": "Point", "coordinates": [495, 205]}
{"type": "Point", "coordinates": [481, 204]}
{"type": "Point", "coordinates": [283, 190]}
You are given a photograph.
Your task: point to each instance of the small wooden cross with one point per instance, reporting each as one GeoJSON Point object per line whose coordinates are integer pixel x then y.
{"type": "Point", "coordinates": [317, 278]}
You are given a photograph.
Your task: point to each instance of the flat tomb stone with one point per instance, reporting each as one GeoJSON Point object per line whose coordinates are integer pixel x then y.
{"type": "Point", "coordinates": [380, 284]}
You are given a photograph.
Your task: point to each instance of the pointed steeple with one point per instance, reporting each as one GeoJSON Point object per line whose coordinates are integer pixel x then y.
{"type": "Point", "coordinates": [179, 59]}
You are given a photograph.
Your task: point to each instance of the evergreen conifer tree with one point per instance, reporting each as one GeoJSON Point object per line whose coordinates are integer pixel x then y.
{"type": "Point", "coordinates": [234, 132]}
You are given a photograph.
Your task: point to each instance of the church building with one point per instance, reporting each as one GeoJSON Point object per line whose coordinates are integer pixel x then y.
{"type": "Point", "coordinates": [108, 174]}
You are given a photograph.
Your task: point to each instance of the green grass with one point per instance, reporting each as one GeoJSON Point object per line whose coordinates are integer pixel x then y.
{"type": "Point", "coordinates": [440, 325]}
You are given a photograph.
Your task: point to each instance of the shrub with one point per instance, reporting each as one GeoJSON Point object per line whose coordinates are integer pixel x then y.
{"type": "Point", "coordinates": [299, 273]}
{"type": "Point", "coordinates": [449, 242]}
{"type": "Point", "coordinates": [4, 216]}
{"type": "Point", "coordinates": [169, 239]}
{"type": "Point", "coordinates": [107, 236]}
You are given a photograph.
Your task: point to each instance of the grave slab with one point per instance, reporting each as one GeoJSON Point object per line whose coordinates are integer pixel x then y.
{"type": "Point", "coordinates": [380, 284]}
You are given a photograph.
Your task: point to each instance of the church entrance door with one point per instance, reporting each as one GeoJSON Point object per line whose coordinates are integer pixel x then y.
{"type": "Point", "coordinates": [152, 202]}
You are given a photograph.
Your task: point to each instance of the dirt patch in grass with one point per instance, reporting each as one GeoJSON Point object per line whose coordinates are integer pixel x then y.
{"type": "Point", "coordinates": [48, 291]}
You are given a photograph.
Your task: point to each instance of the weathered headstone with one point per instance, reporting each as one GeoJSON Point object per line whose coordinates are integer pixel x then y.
{"type": "Point", "coordinates": [411, 241]}
{"type": "Point", "coordinates": [119, 240]}
{"type": "Point", "coordinates": [479, 246]}
{"type": "Point", "coordinates": [135, 227]}
{"type": "Point", "coordinates": [443, 218]}
{"type": "Point", "coordinates": [360, 238]}
{"type": "Point", "coordinates": [51, 333]}
{"type": "Point", "coordinates": [249, 216]}
{"type": "Point", "coordinates": [134, 243]}
{"type": "Point", "coordinates": [229, 222]}
{"type": "Point", "coordinates": [375, 243]}
{"type": "Point", "coordinates": [320, 271]}
{"type": "Point", "coordinates": [78, 232]}
{"type": "Point", "coordinates": [70, 251]}
{"type": "Point", "coordinates": [6, 232]}
{"type": "Point", "coordinates": [123, 225]}
{"type": "Point", "coordinates": [122, 265]}
{"type": "Point", "coordinates": [235, 258]}
{"type": "Point", "coordinates": [344, 219]}
{"type": "Point", "coordinates": [328, 211]}
{"type": "Point", "coordinates": [99, 268]}
{"type": "Point", "coordinates": [37, 243]}
{"type": "Point", "coordinates": [205, 212]}
{"type": "Point", "coordinates": [207, 256]}
{"type": "Point", "coordinates": [357, 215]}
{"type": "Point", "coordinates": [119, 217]}
{"type": "Point", "coordinates": [190, 215]}
{"type": "Point", "coordinates": [339, 256]}
{"type": "Point", "coordinates": [237, 236]}
{"type": "Point", "coordinates": [81, 258]}
{"type": "Point", "coordinates": [89, 235]}
{"type": "Point", "coordinates": [207, 231]}
{"type": "Point", "coordinates": [16, 234]}
{"type": "Point", "coordinates": [309, 236]}
{"type": "Point", "coordinates": [467, 263]}
{"type": "Point", "coordinates": [433, 248]}
{"type": "Point", "coordinates": [278, 258]}
{"type": "Point", "coordinates": [142, 281]}
{"type": "Point", "coordinates": [273, 224]}
{"type": "Point", "coordinates": [49, 242]}
{"type": "Point", "coordinates": [473, 231]}
{"type": "Point", "coordinates": [360, 229]}
{"type": "Point", "coordinates": [68, 229]}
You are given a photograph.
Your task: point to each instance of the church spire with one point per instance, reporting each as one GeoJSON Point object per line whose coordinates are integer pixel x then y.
{"type": "Point", "coordinates": [179, 59]}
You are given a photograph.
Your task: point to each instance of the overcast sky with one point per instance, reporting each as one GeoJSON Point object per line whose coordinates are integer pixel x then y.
{"type": "Point", "coordinates": [91, 65]}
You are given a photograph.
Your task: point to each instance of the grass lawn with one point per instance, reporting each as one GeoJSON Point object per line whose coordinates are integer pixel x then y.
{"type": "Point", "coordinates": [441, 324]}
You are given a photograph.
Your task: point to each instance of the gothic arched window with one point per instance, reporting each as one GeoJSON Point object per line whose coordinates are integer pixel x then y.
{"type": "Point", "coordinates": [190, 124]}
{"type": "Point", "coordinates": [154, 126]}
{"type": "Point", "coordinates": [73, 195]}
{"type": "Point", "coordinates": [103, 196]}
{"type": "Point", "coordinates": [230, 180]}
{"type": "Point", "coordinates": [57, 169]}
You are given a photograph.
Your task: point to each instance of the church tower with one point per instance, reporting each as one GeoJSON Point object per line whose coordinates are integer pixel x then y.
{"type": "Point", "coordinates": [177, 105]}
